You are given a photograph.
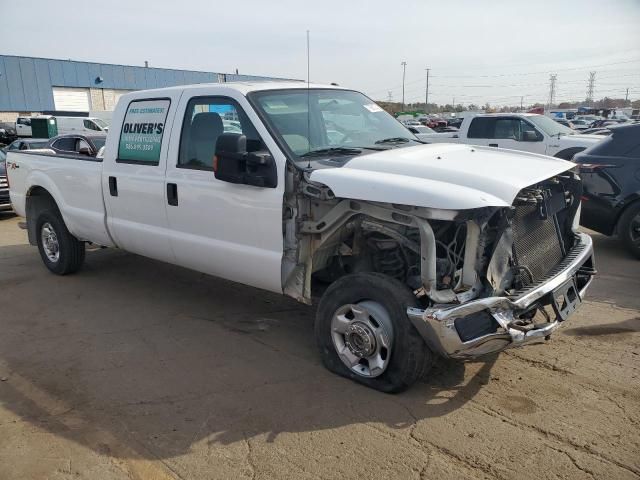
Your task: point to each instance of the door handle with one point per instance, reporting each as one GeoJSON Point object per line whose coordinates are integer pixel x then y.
{"type": "Point", "coordinates": [493, 144]}
{"type": "Point", "coordinates": [113, 186]}
{"type": "Point", "coordinates": [172, 194]}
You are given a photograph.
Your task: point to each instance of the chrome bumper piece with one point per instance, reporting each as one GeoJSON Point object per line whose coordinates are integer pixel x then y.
{"type": "Point", "coordinates": [437, 324]}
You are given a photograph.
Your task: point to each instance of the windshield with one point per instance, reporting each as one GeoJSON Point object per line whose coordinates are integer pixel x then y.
{"type": "Point", "coordinates": [336, 121]}
{"type": "Point", "coordinates": [101, 123]}
{"type": "Point", "coordinates": [549, 125]}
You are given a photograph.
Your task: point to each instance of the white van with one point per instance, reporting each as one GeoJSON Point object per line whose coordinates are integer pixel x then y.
{"type": "Point", "coordinates": [81, 125]}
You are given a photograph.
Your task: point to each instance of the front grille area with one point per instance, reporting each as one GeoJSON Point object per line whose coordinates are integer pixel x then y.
{"type": "Point", "coordinates": [536, 246]}
{"type": "Point", "coordinates": [4, 190]}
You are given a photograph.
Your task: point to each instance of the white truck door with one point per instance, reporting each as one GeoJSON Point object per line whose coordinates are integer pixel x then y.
{"type": "Point", "coordinates": [231, 230]}
{"type": "Point", "coordinates": [516, 134]}
{"type": "Point", "coordinates": [133, 176]}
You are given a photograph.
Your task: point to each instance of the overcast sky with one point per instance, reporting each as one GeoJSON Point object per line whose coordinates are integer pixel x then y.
{"type": "Point", "coordinates": [478, 51]}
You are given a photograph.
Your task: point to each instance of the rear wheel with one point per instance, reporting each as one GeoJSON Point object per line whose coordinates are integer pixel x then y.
{"type": "Point", "coordinates": [364, 334]}
{"type": "Point", "coordinates": [61, 252]}
{"type": "Point", "coordinates": [629, 229]}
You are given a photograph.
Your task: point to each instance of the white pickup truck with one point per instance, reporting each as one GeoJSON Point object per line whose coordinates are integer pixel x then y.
{"type": "Point", "coordinates": [413, 250]}
{"type": "Point", "coordinates": [517, 131]}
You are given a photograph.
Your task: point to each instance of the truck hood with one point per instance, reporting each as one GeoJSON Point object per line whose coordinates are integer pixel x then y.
{"type": "Point", "coordinates": [442, 176]}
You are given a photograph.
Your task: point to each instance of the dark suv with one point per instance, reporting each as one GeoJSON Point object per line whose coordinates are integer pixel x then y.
{"type": "Point", "coordinates": [610, 172]}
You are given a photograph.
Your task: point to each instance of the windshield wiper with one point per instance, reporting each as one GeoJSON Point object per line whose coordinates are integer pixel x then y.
{"type": "Point", "coordinates": [393, 140]}
{"type": "Point", "coordinates": [332, 150]}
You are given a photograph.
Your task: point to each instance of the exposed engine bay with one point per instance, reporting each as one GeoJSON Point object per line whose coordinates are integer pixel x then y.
{"type": "Point", "coordinates": [444, 256]}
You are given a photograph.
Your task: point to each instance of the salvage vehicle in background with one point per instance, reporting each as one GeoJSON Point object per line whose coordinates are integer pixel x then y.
{"type": "Point", "coordinates": [611, 175]}
{"type": "Point", "coordinates": [413, 249]}
{"type": "Point", "coordinates": [7, 133]}
{"type": "Point", "coordinates": [519, 131]}
{"type": "Point", "coordinates": [77, 144]}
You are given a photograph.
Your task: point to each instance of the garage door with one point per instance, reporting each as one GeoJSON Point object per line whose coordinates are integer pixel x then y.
{"type": "Point", "coordinates": [71, 99]}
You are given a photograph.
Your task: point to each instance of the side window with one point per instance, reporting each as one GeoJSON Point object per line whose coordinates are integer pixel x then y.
{"type": "Point", "coordinates": [80, 144]}
{"type": "Point", "coordinates": [65, 144]}
{"type": "Point", "coordinates": [481, 127]}
{"type": "Point", "coordinates": [507, 129]}
{"type": "Point", "coordinates": [142, 130]}
{"type": "Point", "coordinates": [206, 118]}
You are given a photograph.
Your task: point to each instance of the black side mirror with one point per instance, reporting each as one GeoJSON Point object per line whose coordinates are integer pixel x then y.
{"type": "Point", "coordinates": [234, 164]}
{"type": "Point", "coordinates": [529, 136]}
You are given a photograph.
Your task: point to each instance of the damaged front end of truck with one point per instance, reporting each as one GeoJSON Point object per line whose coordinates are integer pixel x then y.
{"type": "Point", "coordinates": [485, 278]}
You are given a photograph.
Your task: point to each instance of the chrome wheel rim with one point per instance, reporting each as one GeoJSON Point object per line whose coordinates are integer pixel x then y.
{"type": "Point", "coordinates": [362, 335]}
{"type": "Point", "coordinates": [50, 243]}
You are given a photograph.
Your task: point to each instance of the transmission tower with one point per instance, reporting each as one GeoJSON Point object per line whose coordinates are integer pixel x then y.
{"type": "Point", "coordinates": [590, 86]}
{"type": "Point", "coordinates": [552, 88]}
{"type": "Point", "coordinates": [390, 96]}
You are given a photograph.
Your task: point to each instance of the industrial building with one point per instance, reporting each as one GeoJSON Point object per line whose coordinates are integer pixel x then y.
{"type": "Point", "coordinates": [33, 86]}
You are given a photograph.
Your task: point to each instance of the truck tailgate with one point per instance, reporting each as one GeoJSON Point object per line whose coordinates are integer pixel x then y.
{"type": "Point", "coordinates": [74, 182]}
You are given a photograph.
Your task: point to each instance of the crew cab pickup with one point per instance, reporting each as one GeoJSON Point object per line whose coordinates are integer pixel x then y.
{"type": "Point", "coordinates": [518, 131]}
{"type": "Point", "coordinates": [412, 250]}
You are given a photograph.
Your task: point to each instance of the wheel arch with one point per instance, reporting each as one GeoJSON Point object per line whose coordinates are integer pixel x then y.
{"type": "Point", "coordinates": [38, 199]}
{"type": "Point", "coordinates": [568, 153]}
{"type": "Point", "coordinates": [628, 203]}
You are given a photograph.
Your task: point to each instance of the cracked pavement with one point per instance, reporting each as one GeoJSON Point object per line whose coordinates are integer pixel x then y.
{"type": "Point", "coordinates": [135, 369]}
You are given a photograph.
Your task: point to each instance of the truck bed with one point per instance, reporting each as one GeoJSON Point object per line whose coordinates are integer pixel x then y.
{"type": "Point", "coordinates": [75, 183]}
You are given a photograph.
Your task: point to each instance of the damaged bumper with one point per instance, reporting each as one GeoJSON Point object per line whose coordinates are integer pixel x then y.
{"type": "Point", "coordinates": [492, 324]}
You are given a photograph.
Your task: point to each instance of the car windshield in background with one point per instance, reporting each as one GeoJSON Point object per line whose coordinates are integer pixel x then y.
{"type": "Point", "coordinates": [549, 125]}
{"type": "Point", "coordinates": [330, 122]}
{"type": "Point", "coordinates": [101, 123]}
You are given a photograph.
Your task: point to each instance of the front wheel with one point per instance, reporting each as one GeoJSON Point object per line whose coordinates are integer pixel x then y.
{"type": "Point", "coordinates": [364, 334]}
{"type": "Point", "coordinates": [61, 252]}
{"type": "Point", "coordinates": [629, 229]}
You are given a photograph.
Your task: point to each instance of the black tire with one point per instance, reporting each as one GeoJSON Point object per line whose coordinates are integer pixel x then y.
{"type": "Point", "coordinates": [71, 250]}
{"type": "Point", "coordinates": [409, 359]}
{"type": "Point", "coordinates": [627, 226]}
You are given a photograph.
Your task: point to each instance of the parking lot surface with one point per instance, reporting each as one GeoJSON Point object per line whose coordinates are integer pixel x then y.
{"type": "Point", "coordinates": [135, 369]}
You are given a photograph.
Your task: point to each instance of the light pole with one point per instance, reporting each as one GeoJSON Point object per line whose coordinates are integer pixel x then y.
{"type": "Point", "coordinates": [404, 71]}
{"type": "Point", "coordinates": [426, 95]}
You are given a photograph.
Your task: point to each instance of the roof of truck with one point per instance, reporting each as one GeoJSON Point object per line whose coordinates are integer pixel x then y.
{"type": "Point", "coordinates": [247, 87]}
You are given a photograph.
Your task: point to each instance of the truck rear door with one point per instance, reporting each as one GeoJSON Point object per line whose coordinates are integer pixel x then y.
{"type": "Point", "coordinates": [230, 230]}
{"type": "Point", "coordinates": [134, 175]}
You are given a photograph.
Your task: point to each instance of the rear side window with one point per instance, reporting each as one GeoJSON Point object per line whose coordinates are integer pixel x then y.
{"type": "Point", "coordinates": [206, 118]}
{"type": "Point", "coordinates": [67, 144]}
{"type": "Point", "coordinates": [481, 127]}
{"type": "Point", "coordinates": [142, 131]}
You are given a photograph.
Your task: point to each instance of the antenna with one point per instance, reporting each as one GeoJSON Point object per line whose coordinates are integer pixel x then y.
{"type": "Point", "coordinates": [308, 104]}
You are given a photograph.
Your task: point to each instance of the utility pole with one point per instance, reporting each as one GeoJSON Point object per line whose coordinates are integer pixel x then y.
{"type": "Point", "coordinates": [404, 71]}
{"type": "Point", "coordinates": [590, 87]}
{"type": "Point", "coordinates": [426, 95]}
{"type": "Point", "coordinates": [454, 103]}
{"type": "Point", "coordinates": [626, 98]}
{"type": "Point", "coordinates": [521, 102]}
{"type": "Point", "coordinates": [552, 88]}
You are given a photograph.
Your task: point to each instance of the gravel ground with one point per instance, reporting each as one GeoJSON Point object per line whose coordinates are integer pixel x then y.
{"type": "Point", "coordinates": [135, 369]}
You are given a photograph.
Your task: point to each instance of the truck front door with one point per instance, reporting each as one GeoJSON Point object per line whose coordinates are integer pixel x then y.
{"type": "Point", "coordinates": [133, 178]}
{"type": "Point", "coordinates": [225, 229]}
